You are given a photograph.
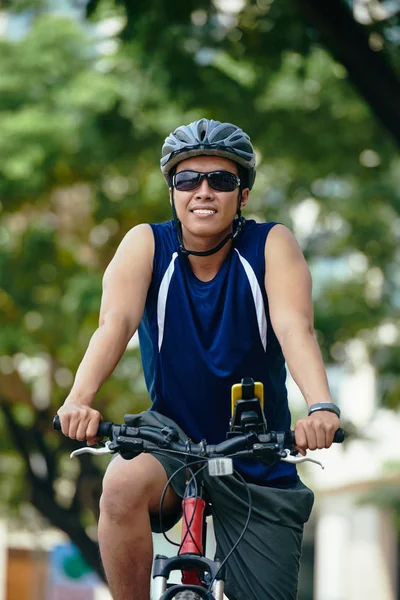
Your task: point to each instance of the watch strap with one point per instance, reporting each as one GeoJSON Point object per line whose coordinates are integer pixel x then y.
{"type": "Point", "coordinates": [329, 406]}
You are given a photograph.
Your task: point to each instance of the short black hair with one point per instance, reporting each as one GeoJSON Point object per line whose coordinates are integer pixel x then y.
{"type": "Point", "coordinates": [243, 176]}
{"type": "Point", "coordinates": [171, 175]}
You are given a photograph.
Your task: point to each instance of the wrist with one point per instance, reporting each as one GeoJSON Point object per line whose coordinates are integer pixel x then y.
{"type": "Point", "coordinates": [324, 406]}
{"type": "Point", "coordinates": [79, 398]}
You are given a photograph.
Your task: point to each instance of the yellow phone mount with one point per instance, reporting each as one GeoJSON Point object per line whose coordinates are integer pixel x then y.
{"type": "Point", "coordinates": [247, 408]}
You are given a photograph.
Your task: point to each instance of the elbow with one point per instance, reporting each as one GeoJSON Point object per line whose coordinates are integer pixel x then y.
{"type": "Point", "coordinates": [293, 329]}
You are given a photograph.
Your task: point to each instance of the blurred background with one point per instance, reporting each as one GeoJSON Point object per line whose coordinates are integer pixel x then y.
{"type": "Point", "coordinates": [88, 92]}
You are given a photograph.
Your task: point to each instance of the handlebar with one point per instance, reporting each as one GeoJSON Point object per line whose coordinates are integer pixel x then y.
{"type": "Point", "coordinates": [131, 441]}
{"type": "Point", "coordinates": [104, 430]}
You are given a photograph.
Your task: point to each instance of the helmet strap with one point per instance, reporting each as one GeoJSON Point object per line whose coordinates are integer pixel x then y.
{"type": "Point", "coordinates": [237, 227]}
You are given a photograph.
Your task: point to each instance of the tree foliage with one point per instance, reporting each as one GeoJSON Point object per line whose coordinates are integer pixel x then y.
{"type": "Point", "coordinates": [84, 108]}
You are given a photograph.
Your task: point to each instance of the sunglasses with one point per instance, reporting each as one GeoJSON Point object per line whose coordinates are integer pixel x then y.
{"type": "Point", "coordinates": [222, 181]}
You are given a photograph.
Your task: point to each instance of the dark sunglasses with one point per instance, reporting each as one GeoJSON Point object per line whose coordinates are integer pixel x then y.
{"type": "Point", "coordinates": [222, 181]}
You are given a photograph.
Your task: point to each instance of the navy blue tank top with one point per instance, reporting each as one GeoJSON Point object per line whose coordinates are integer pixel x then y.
{"type": "Point", "coordinates": [199, 338]}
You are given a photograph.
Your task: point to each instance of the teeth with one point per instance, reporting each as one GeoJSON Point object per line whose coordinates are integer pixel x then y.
{"type": "Point", "coordinates": [199, 211]}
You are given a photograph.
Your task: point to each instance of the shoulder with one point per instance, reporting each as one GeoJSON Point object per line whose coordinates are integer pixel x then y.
{"type": "Point", "coordinates": [142, 232]}
{"type": "Point", "coordinates": [259, 238]}
{"type": "Point", "coordinates": [164, 235]}
{"type": "Point", "coordinates": [253, 230]}
{"type": "Point", "coordinates": [251, 226]}
{"type": "Point", "coordinates": [284, 259]}
{"type": "Point", "coordinates": [136, 248]}
{"type": "Point", "coordinates": [281, 241]}
{"type": "Point", "coordinates": [139, 241]}
{"type": "Point", "coordinates": [253, 237]}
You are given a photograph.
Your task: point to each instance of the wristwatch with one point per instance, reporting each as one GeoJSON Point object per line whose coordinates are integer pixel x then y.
{"type": "Point", "coordinates": [329, 406]}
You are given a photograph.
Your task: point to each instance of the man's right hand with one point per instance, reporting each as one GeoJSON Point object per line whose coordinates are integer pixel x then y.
{"type": "Point", "coordinates": [80, 422]}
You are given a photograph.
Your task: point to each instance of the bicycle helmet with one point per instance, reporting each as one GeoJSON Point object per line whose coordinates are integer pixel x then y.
{"type": "Point", "coordinates": [211, 138]}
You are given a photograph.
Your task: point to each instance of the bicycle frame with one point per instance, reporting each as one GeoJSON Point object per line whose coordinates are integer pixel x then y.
{"type": "Point", "coordinates": [191, 559]}
{"type": "Point", "coordinates": [248, 427]}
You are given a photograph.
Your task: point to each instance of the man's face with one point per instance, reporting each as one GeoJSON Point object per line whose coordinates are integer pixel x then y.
{"type": "Point", "coordinates": [205, 211]}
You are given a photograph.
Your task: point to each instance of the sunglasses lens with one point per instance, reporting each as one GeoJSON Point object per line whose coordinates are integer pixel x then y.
{"type": "Point", "coordinates": [223, 181]}
{"type": "Point", "coordinates": [186, 180]}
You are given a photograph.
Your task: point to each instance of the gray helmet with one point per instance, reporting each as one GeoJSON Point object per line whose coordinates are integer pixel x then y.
{"type": "Point", "coordinates": [211, 138]}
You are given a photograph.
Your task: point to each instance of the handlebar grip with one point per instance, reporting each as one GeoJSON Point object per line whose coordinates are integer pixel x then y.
{"type": "Point", "coordinates": [104, 429]}
{"type": "Point", "coordinates": [338, 438]}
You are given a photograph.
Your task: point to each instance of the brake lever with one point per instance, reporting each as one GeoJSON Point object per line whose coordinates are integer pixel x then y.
{"type": "Point", "coordinates": [289, 458]}
{"type": "Point", "coordinates": [89, 450]}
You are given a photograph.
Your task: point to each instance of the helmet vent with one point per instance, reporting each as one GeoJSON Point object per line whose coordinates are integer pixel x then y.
{"type": "Point", "coordinates": [207, 137]}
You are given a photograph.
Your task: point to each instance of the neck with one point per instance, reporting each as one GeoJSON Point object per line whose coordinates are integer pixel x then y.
{"type": "Point", "coordinates": [203, 243]}
{"type": "Point", "coordinates": [206, 267]}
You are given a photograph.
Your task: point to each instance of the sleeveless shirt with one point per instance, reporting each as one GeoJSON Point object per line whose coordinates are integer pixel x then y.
{"type": "Point", "coordinates": [199, 338]}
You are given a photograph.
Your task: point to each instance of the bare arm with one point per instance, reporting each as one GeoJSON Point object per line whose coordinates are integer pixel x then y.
{"type": "Point", "coordinates": [125, 285]}
{"type": "Point", "coordinates": [288, 285]}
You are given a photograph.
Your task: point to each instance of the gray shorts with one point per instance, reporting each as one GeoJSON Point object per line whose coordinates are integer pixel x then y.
{"type": "Point", "coordinates": [266, 563]}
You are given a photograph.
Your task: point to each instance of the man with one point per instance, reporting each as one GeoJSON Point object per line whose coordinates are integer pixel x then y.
{"type": "Point", "coordinates": [217, 299]}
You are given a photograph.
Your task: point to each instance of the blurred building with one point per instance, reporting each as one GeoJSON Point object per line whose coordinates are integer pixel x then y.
{"type": "Point", "coordinates": [355, 542]}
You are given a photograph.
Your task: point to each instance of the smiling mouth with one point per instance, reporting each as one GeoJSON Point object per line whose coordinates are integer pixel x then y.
{"type": "Point", "coordinates": [203, 211]}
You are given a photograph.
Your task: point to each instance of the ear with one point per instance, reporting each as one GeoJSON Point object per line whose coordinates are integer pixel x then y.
{"type": "Point", "coordinates": [170, 196]}
{"type": "Point", "coordinates": [245, 197]}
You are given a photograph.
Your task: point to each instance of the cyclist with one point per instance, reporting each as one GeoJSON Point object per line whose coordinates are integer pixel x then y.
{"type": "Point", "coordinates": [215, 298]}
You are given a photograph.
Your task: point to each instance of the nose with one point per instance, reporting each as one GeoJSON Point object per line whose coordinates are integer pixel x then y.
{"type": "Point", "coordinates": [204, 189]}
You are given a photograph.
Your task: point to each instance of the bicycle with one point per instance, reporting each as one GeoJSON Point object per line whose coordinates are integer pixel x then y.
{"type": "Point", "coordinates": [202, 578]}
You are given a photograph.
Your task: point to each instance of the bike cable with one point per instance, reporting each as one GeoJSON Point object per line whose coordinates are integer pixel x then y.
{"type": "Point", "coordinates": [243, 532]}
{"type": "Point", "coordinates": [189, 524]}
{"type": "Point", "coordinates": [193, 478]}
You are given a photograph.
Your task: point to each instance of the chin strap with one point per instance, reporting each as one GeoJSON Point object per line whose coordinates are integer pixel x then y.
{"type": "Point", "coordinates": [237, 228]}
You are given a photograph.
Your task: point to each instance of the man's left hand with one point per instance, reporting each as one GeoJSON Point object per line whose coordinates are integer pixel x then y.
{"type": "Point", "coordinates": [316, 431]}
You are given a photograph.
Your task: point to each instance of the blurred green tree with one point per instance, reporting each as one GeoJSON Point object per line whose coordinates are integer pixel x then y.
{"type": "Point", "coordinates": [84, 108]}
